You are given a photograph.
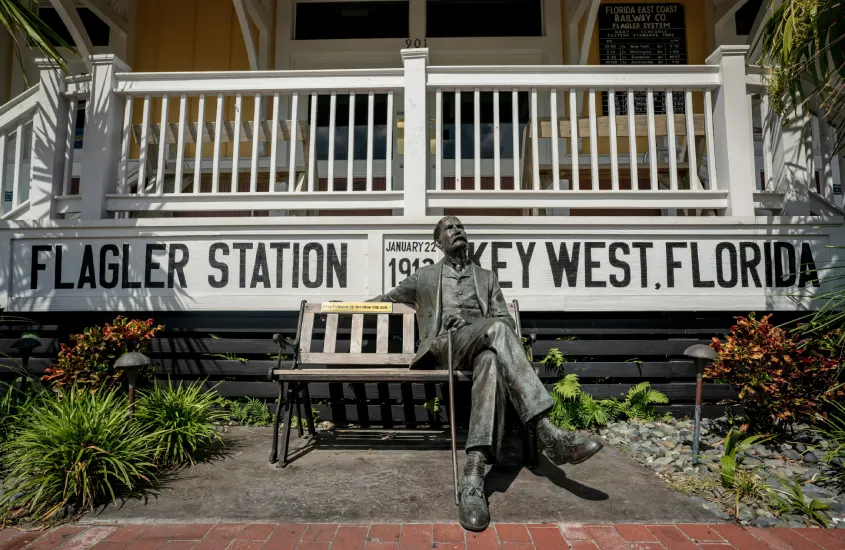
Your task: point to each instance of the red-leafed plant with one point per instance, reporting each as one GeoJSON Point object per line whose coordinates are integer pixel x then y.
{"type": "Point", "coordinates": [89, 360]}
{"type": "Point", "coordinates": [780, 377]}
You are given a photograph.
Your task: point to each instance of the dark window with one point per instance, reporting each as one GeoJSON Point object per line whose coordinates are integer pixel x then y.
{"type": "Point", "coordinates": [341, 137]}
{"type": "Point", "coordinates": [98, 31]}
{"type": "Point", "coordinates": [745, 16]}
{"type": "Point", "coordinates": [483, 18]}
{"type": "Point", "coordinates": [345, 20]}
{"type": "Point", "coordinates": [506, 148]}
{"type": "Point", "coordinates": [80, 125]}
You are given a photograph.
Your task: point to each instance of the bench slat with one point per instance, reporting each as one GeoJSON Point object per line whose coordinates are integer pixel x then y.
{"type": "Point", "coordinates": [370, 375]}
{"type": "Point", "coordinates": [386, 359]}
{"type": "Point", "coordinates": [307, 330]}
{"type": "Point", "coordinates": [381, 333]}
{"type": "Point", "coordinates": [357, 336]}
{"type": "Point", "coordinates": [331, 333]}
{"type": "Point", "coordinates": [397, 309]}
{"type": "Point", "coordinates": [408, 333]}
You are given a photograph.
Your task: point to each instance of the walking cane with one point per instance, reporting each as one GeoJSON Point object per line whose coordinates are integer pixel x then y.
{"type": "Point", "coordinates": [452, 419]}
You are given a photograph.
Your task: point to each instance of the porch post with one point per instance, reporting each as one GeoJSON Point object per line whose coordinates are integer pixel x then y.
{"type": "Point", "coordinates": [102, 136]}
{"type": "Point", "coordinates": [416, 132]}
{"type": "Point", "coordinates": [733, 137]}
{"type": "Point", "coordinates": [793, 165]}
{"type": "Point", "coordinates": [48, 138]}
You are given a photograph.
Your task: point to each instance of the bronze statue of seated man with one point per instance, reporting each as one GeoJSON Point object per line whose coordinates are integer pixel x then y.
{"type": "Point", "coordinates": [455, 294]}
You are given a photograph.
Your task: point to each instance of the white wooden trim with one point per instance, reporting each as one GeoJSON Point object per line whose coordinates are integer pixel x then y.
{"type": "Point", "coordinates": [258, 15]}
{"type": "Point", "coordinates": [70, 17]}
{"type": "Point", "coordinates": [579, 199]}
{"type": "Point", "coordinates": [17, 211]}
{"type": "Point", "coordinates": [589, 28]}
{"type": "Point", "coordinates": [246, 31]}
{"type": "Point", "coordinates": [590, 76]}
{"type": "Point", "coordinates": [22, 105]}
{"type": "Point", "coordinates": [726, 10]}
{"type": "Point", "coordinates": [778, 226]}
{"type": "Point", "coordinates": [108, 14]}
{"type": "Point", "coordinates": [263, 82]}
{"type": "Point", "coordinates": [211, 202]}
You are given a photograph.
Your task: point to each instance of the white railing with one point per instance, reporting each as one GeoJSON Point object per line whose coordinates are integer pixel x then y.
{"type": "Point", "coordinates": [586, 137]}
{"type": "Point", "coordinates": [542, 140]}
{"type": "Point", "coordinates": [248, 141]}
{"type": "Point", "coordinates": [797, 162]}
{"type": "Point", "coordinates": [16, 119]}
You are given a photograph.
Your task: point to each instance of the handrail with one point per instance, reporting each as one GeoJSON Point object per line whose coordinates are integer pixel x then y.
{"type": "Point", "coordinates": [257, 81]}
{"type": "Point", "coordinates": [575, 76]}
{"type": "Point", "coordinates": [16, 212]}
{"type": "Point", "coordinates": [78, 86]}
{"type": "Point", "coordinates": [18, 107]}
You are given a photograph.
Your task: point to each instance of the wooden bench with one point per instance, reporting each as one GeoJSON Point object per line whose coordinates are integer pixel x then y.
{"type": "Point", "coordinates": [378, 364]}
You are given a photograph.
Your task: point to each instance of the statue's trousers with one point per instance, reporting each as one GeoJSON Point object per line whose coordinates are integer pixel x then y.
{"type": "Point", "coordinates": [501, 373]}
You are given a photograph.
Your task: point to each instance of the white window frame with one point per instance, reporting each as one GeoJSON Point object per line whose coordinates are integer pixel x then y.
{"type": "Point", "coordinates": [384, 52]}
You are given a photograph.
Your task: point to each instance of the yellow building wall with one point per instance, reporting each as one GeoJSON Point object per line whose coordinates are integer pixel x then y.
{"type": "Point", "coordinates": [190, 35]}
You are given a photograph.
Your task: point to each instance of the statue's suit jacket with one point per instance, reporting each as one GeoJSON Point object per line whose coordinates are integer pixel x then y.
{"type": "Point", "coordinates": [424, 289]}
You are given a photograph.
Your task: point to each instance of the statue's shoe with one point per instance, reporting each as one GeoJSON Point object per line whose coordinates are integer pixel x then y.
{"type": "Point", "coordinates": [472, 510]}
{"type": "Point", "coordinates": [562, 446]}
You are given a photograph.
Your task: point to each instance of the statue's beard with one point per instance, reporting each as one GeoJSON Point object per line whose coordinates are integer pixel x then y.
{"type": "Point", "coordinates": [458, 250]}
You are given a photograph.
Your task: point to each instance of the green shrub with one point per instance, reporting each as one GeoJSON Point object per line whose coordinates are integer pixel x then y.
{"type": "Point", "coordinates": [733, 457]}
{"type": "Point", "coordinates": [89, 361]}
{"type": "Point", "coordinates": [793, 501]}
{"type": "Point", "coordinates": [15, 405]}
{"type": "Point", "coordinates": [76, 448]}
{"type": "Point", "coordinates": [832, 428]}
{"type": "Point", "coordinates": [183, 419]}
{"type": "Point", "coordinates": [779, 377]}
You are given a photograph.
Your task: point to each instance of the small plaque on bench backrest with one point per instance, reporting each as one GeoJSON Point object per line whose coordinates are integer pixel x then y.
{"type": "Point", "coordinates": [356, 307]}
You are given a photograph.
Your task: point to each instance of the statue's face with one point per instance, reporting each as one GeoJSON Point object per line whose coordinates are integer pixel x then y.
{"type": "Point", "coordinates": [453, 238]}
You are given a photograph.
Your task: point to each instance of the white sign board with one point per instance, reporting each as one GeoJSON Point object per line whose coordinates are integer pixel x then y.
{"type": "Point", "coordinates": [650, 272]}
{"type": "Point", "coordinates": [201, 273]}
{"type": "Point", "coordinates": [546, 270]}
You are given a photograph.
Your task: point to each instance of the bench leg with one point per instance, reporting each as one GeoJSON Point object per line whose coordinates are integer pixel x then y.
{"type": "Point", "coordinates": [292, 390]}
{"type": "Point", "coordinates": [532, 458]}
{"type": "Point", "coordinates": [309, 416]}
{"type": "Point", "coordinates": [298, 415]}
{"type": "Point", "coordinates": [274, 453]}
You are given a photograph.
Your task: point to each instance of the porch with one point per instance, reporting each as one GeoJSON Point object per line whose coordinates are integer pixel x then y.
{"type": "Point", "coordinates": [574, 140]}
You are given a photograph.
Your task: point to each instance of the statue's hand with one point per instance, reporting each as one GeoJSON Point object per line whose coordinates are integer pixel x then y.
{"type": "Point", "coordinates": [453, 321]}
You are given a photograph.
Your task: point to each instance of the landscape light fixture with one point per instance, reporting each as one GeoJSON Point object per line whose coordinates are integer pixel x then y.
{"type": "Point", "coordinates": [130, 363]}
{"type": "Point", "coordinates": [700, 355]}
{"type": "Point", "coordinates": [27, 344]}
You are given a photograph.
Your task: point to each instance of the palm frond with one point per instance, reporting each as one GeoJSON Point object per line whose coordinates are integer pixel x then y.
{"type": "Point", "coordinates": [20, 20]}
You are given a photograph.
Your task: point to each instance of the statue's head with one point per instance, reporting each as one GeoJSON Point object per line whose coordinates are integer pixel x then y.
{"type": "Point", "coordinates": [449, 236]}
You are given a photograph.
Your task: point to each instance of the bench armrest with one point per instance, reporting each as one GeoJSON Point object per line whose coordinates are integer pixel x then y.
{"type": "Point", "coordinates": [279, 339]}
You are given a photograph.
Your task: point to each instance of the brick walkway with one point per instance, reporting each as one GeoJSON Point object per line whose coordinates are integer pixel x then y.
{"type": "Point", "coordinates": [422, 536]}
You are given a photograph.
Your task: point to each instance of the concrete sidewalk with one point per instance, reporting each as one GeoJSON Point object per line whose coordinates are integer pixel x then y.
{"type": "Point", "coordinates": [405, 477]}
{"type": "Point", "coordinates": [503, 536]}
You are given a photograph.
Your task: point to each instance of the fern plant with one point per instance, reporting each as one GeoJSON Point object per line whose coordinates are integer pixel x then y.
{"type": "Point", "coordinates": [640, 402]}
{"type": "Point", "coordinates": [573, 409]}
{"type": "Point", "coordinates": [249, 412]}
{"type": "Point", "coordinates": [554, 358]}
